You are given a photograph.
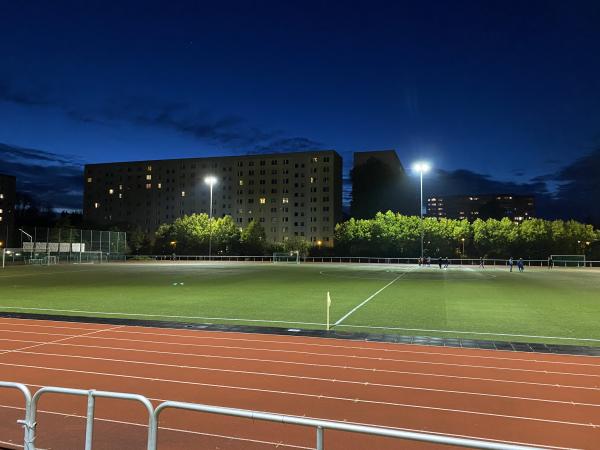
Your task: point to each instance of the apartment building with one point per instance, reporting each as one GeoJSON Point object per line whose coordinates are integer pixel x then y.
{"type": "Point", "coordinates": [471, 207]}
{"type": "Point", "coordinates": [289, 194]}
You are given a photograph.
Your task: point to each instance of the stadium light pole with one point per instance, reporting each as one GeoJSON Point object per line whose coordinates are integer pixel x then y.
{"type": "Point", "coordinates": [210, 180]}
{"type": "Point", "coordinates": [421, 167]}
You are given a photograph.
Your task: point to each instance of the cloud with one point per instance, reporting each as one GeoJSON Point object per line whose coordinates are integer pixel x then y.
{"type": "Point", "coordinates": [10, 93]}
{"type": "Point", "coordinates": [52, 179]}
{"type": "Point", "coordinates": [578, 188]}
{"type": "Point", "coordinates": [289, 145]}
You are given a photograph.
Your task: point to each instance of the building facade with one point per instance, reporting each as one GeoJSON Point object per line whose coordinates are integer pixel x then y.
{"type": "Point", "coordinates": [472, 207]}
{"type": "Point", "coordinates": [379, 183]}
{"type": "Point", "coordinates": [8, 185]}
{"type": "Point", "coordinates": [289, 194]}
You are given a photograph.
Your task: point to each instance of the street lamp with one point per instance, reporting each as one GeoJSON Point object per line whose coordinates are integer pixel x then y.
{"type": "Point", "coordinates": [421, 167]}
{"type": "Point", "coordinates": [463, 242]}
{"type": "Point", "coordinates": [210, 180]}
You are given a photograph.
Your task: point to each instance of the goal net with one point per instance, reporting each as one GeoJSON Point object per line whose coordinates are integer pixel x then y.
{"type": "Point", "coordinates": [89, 258]}
{"type": "Point", "coordinates": [568, 260]}
{"type": "Point", "coordinates": [287, 257]}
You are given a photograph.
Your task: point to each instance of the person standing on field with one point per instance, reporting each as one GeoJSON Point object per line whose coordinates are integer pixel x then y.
{"type": "Point", "coordinates": [520, 265]}
{"type": "Point", "coordinates": [481, 262]}
{"type": "Point", "coordinates": [510, 263]}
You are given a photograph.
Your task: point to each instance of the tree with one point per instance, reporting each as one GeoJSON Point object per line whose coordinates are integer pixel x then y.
{"type": "Point", "coordinates": [253, 239]}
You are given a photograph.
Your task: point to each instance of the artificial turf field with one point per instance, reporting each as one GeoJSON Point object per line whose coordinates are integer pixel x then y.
{"type": "Point", "coordinates": [560, 306]}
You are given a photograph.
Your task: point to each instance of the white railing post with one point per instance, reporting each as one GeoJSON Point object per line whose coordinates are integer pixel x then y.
{"type": "Point", "coordinates": [26, 423]}
{"type": "Point", "coordinates": [320, 438]}
{"type": "Point", "coordinates": [89, 424]}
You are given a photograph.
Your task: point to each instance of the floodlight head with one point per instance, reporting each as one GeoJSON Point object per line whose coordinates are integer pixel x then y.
{"type": "Point", "coordinates": [210, 180]}
{"type": "Point", "coordinates": [421, 166]}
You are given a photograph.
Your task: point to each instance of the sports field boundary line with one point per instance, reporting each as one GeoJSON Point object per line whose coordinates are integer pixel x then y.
{"type": "Point", "coordinates": [190, 334]}
{"type": "Point", "coordinates": [368, 299]}
{"type": "Point", "coordinates": [92, 319]}
{"type": "Point", "coordinates": [511, 346]}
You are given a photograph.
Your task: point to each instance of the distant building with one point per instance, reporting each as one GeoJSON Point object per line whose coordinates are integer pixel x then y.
{"type": "Point", "coordinates": [379, 183]}
{"type": "Point", "coordinates": [289, 194]}
{"type": "Point", "coordinates": [7, 209]}
{"type": "Point", "coordinates": [471, 207]}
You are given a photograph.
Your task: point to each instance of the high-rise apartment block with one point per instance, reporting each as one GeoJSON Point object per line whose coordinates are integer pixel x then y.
{"type": "Point", "coordinates": [289, 194]}
{"type": "Point", "coordinates": [471, 207]}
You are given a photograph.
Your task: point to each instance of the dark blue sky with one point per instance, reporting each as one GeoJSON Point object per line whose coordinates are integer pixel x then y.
{"type": "Point", "coordinates": [508, 91]}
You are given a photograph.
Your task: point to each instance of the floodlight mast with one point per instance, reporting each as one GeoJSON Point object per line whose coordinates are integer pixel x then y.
{"type": "Point", "coordinates": [421, 167]}
{"type": "Point", "coordinates": [211, 181]}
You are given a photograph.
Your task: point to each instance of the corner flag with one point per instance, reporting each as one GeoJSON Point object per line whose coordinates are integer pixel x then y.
{"type": "Point", "coordinates": [328, 306]}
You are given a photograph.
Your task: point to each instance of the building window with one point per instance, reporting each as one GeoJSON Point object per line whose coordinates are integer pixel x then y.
{"type": "Point", "coordinates": [263, 200]}
{"type": "Point", "coordinates": [183, 193]}
{"type": "Point", "coordinates": [285, 200]}
{"type": "Point", "coordinates": [241, 182]}
{"type": "Point", "coordinates": [96, 205]}
{"type": "Point", "coordinates": [89, 180]}
{"type": "Point", "coordinates": [148, 186]}
{"type": "Point", "coordinates": [111, 191]}
{"type": "Point", "coordinates": [148, 177]}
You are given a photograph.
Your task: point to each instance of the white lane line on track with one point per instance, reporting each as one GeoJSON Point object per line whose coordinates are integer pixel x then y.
{"type": "Point", "coordinates": [298, 394]}
{"type": "Point", "coordinates": [56, 341]}
{"type": "Point", "coordinates": [207, 335]}
{"type": "Point", "coordinates": [297, 352]}
{"type": "Point", "coordinates": [332, 355]}
{"type": "Point", "coordinates": [229, 319]}
{"type": "Point", "coordinates": [368, 299]}
{"type": "Point", "coordinates": [369, 370]}
{"type": "Point", "coordinates": [145, 425]}
{"type": "Point", "coordinates": [307, 378]}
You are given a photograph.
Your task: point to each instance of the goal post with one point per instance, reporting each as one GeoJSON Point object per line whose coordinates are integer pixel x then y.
{"type": "Point", "coordinates": [292, 257]}
{"type": "Point", "coordinates": [568, 260]}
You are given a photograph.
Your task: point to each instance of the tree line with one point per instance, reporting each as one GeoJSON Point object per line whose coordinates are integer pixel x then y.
{"type": "Point", "coordinates": [387, 235]}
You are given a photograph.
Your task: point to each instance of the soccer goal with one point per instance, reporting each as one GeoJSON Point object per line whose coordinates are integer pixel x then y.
{"type": "Point", "coordinates": [89, 258]}
{"type": "Point", "coordinates": [288, 257]}
{"type": "Point", "coordinates": [568, 260]}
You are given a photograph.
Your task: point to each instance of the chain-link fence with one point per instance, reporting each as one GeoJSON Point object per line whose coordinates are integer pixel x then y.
{"type": "Point", "coordinates": [41, 245]}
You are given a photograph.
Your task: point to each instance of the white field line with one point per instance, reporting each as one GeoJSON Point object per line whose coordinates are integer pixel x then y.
{"type": "Point", "coordinates": [297, 352]}
{"type": "Point", "coordinates": [277, 445]}
{"type": "Point", "coordinates": [307, 378]}
{"type": "Point", "coordinates": [203, 335]}
{"type": "Point", "coordinates": [471, 332]}
{"type": "Point", "coordinates": [159, 315]}
{"type": "Point", "coordinates": [229, 319]}
{"type": "Point", "coordinates": [299, 394]}
{"type": "Point", "coordinates": [369, 370]}
{"type": "Point", "coordinates": [368, 299]}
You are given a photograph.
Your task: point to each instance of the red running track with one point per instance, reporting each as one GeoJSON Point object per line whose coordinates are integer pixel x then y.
{"type": "Point", "coordinates": [528, 398]}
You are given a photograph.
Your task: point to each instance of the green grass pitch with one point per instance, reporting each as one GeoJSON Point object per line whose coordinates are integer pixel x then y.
{"type": "Point", "coordinates": [539, 305]}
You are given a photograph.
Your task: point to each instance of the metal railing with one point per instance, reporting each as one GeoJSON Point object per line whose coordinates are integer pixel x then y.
{"type": "Point", "coordinates": [488, 262]}
{"type": "Point", "coordinates": [31, 405]}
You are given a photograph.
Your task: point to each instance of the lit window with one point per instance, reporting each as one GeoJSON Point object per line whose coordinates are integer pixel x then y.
{"type": "Point", "coordinates": [183, 193]}
{"type": "Point", "coordinates": [148, 177]}
{"type": "Point", "coordinates": [1, 211]}
{"type": "Point", "coordinates": [0, 218]}
{"type": "Point", "coordinates": [1, 196]}
{"type": "Point", "coordinates": [312, 179]}
{"type": "Point", "coordinates": [159, 185]}
{"type": "Point", "coordinates": [149, 168]}
{"type": "Point", "coordinates": [120, 195]}
{"type": "Point", "coordinates": [241, 182]}
{"type": "Point", "coordinates": [96, 205]}
{"type": "Point", "coordinates": [315, 159]}
{"type": "Point", "coordinates": [285, 200]}
{"type": "Point", "coordinates": [120, 187]}
{"type": "Point", "coordinates": [89, 180]}
{"type": "Point", "coordinates": [148, 185]}
{"type": "Point", "coordinates": [262, 200]}
{"type": "Point", "coordinates": [111, 191]}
